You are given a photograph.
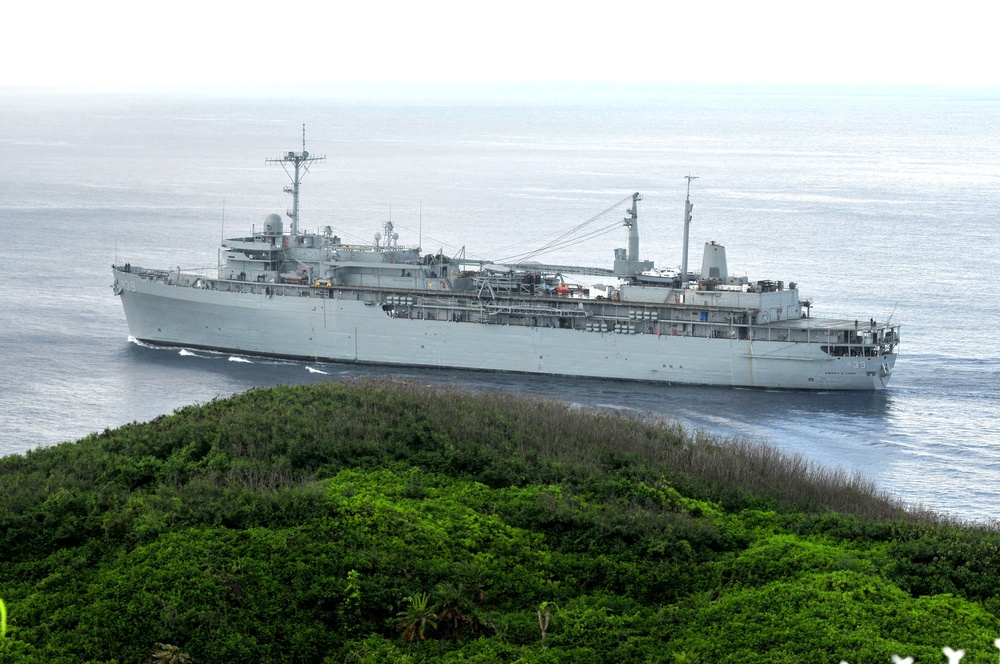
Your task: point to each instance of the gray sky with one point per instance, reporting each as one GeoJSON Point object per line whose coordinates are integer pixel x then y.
{"type": "Point", "coordinates": [112, 43]}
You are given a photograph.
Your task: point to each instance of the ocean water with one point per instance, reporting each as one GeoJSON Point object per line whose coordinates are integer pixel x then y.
{"type": "Point", "coordinates": [877, 204]}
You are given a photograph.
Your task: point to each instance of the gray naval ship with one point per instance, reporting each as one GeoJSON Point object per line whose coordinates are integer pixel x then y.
{"type": "Point", "coordinates": [292, 293]}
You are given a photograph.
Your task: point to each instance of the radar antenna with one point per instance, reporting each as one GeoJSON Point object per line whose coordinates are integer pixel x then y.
{"type": "Point", "coordinates": [300, 162]}
{"type": "Point", "coordinates": [687, 229]}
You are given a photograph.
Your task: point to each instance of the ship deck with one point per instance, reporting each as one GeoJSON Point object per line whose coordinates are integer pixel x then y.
{"type": "Point", "coordinates": [832, 324]}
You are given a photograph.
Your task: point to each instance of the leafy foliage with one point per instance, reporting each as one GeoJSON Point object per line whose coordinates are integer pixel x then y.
{"type": "Point", "coordinates": [169, 654]}
{"type": "Point", "coordinates": [379, 521]}
{"type": "Point", "coordinates": [416, 618]}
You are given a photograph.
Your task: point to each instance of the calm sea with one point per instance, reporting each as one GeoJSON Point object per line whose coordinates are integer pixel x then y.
{"type": "Point", "coordinates": [876, 204]}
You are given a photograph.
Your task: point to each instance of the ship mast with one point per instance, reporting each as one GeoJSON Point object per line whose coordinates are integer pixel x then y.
{"type": "Point", "coordinates": [632, 222]}
{"type": "Point", "coordinates": [687, 229]}
{"type": "Point", "coordinates": [300, 162]}
{"type": "Point", "coordinates": [627, 263]}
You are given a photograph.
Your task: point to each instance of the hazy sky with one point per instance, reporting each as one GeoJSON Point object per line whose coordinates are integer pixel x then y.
{"type": "Point", "coordinates": [111, 43]}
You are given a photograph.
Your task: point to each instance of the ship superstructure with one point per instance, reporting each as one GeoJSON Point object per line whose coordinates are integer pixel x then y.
{"type": "Point", "coordinates": [309, 295]}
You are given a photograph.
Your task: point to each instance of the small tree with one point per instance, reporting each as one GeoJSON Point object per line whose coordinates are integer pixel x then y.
{"type": "Point", "coordinates": [544, 613]}
{"type": "Point", "coordinates": [416, 618]}
{"type": "Point", "coordinates": [456, 611]}
{"type": "Point", "coordinates": [168, 654]}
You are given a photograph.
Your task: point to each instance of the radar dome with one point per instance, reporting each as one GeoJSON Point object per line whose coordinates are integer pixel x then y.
{"type": "Point", "coordinates": [272, 224]}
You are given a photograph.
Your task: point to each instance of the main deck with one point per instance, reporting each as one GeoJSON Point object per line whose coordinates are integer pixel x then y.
{"type": "Point", "coordinates": [571, 311]}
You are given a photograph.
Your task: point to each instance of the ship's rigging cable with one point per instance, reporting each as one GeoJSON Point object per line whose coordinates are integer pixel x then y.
{"type": "Point", "coordinates": [561, 241]}
{"type": "Point", "coordinates": [558, 242]}
{"type": "Point", "coordinates": [569, 242]}
{"type": "Point", "coordinates": [530, 242]}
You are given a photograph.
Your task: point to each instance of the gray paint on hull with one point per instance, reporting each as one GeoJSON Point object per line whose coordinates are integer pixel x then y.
{"type": "Point", "coordinates": [352, 331]}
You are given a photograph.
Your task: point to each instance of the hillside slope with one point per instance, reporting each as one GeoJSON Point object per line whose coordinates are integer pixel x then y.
{"type": "Point", "coordinates": [382, 521]}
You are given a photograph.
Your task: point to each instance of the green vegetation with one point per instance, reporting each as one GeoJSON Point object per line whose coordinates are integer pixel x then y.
{"type": "Point", "coordinates": [381, 521]}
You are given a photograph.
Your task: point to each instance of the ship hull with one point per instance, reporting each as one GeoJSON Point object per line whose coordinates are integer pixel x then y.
{"type": "Point", "coordinates": [351, 330]}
